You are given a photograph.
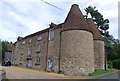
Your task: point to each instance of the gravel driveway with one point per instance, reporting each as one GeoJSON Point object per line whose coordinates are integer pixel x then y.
{"type": "Point", "coordinates": [14, 72]}
{"type": "Point", "coordinates": [2, 73]}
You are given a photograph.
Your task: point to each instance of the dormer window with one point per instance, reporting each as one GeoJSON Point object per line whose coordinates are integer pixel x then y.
{"type": "Point", "coordinates": [39, 38]}
{"type": "Point", "coordinates": [51, 34]}
{"type": "Point", "coordinates": [23, 42]}
{"type": "Point", "coordinates": [30, 40]}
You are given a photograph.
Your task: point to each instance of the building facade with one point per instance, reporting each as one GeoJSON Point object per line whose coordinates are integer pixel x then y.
{"type": "Point", "coordinates": [70, 47]}
{"type": "Point", "coordinates": [8, 54]}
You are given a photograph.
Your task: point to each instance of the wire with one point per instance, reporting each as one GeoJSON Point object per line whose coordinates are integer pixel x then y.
{"type": "Point", "coordinates": [53, 5]}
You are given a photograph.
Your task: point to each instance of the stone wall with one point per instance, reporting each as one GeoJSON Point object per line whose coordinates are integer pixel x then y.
{"type": "Point", "coordinates": [76, 52]}
{"type": "Point", "coordinates": [77, 55]}
{"type": "Point", "coordinates": [42, 53]}
{"type": "Point", "coordinates": [53, 50]}
{"type": "Point", "coordinates": [16, 54]}
{"type": "Point", "coordinates": [21, 51]}
{"type": "Point", "coordinates": [99, 54]}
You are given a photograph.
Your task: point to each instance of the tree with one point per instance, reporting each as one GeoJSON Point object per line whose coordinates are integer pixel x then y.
{"type": "Point", "coordinates": [3, 46]}
{"type": "Point", "coordinates": [101, 23]}
{"type": "Point", "coordinates": [112, 45]}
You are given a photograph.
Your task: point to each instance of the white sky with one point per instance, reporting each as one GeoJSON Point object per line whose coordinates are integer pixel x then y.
{"type": "Point", "coordinates": [24, 17]}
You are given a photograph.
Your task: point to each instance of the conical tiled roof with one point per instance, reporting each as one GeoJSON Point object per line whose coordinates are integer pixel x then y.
{"type": "Point", "coordinates": [94, 29]}
{"type": "Point", "coordinates": [75, 19]}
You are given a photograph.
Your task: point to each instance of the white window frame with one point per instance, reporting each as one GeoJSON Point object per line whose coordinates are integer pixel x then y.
{"type": "Point", "coordinates": [29, 50]}
{"type": "Point", "coordinates": [37, 60]}
{"type": "Point", "coordinates": [21, 59]}
{"type": "Point", "coordinates": [39, 37]}
{"type": "Point", "coordinates": [23, 42]}
{"type": "Point", "coordinates": [51, 34]}
{"type": "Point", "coordinates": [30, 40]}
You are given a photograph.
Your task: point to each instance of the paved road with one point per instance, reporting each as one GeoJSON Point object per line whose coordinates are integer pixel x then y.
{"type": "Point", "coordinates": [115, 75]}
{"type": "Point", "coordinates": [24, 73]}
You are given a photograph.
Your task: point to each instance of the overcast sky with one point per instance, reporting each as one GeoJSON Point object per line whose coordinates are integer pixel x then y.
{"type": "Point", "coordinates": [24, 17]}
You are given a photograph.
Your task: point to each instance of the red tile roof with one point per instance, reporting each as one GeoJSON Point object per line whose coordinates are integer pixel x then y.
{"type": "Point", "coordinates": [10, 47]}
{"type": "Point", "coordinates": [75, 19]}
{"type": "Point", "coordinates": [52, 25]}
{"type": "Point", "coordinates": [94, 29]}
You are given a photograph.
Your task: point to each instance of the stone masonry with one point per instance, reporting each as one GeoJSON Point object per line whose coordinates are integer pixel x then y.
{"type": "Point", "coordinates": [74, 47]}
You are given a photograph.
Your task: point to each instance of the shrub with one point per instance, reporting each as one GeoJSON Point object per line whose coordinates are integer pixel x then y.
{"type": "Point", "coordinates": [116, 64]}
{"type": "Point", "coordinates": [110, 64]}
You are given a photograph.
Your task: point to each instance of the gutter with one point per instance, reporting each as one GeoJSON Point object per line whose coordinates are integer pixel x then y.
{"type": "Point", "coordinates": [59, 54]}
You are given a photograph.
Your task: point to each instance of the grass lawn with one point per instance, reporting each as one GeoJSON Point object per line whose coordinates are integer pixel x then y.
{"type": "Point", "coordinates": [99, 72]}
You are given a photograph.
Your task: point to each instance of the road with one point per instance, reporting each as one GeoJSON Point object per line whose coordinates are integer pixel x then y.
{"type": "Point", "coordinates": [115, 75]}
{"type": "Point", "coordinates": [25, 73]}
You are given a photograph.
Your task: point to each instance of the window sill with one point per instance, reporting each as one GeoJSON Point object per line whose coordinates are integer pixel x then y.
{"type": "Point", "coordinates": [37, 64]}
{"type": "Point", "coordinates": [37, 51]}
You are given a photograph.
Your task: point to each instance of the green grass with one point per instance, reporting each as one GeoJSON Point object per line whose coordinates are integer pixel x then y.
{"type": "Point", "coordinates": [99, 72]}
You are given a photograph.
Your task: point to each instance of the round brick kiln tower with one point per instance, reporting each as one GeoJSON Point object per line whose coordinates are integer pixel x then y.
{"type": "Point", "coordinates": [99, 55]}
{"type": "Point", "coordinates": [77, 54]}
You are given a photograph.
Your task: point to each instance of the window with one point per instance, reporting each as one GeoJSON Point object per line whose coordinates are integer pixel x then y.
{"type": "Point", "coordinates": [51, 34]}
{"type": "Point", "coordinates": [38, 49]}
{"type": "Point", "coordinates": [37, 60]}
{"type": "Point", "coordinates": [39, 38]}
{"type": "Point", "coordinates": [30, 40]}
{"type": "Point", "coordinates": [22, 51]}
{"type": "Point", "coordinates": [29, 51]}
{"type": "Point", "coordinates": [21, 59]}
{"type": "Point", "coordinates": [50, 64]}
{"type": "Point", "coordinates": [23, 42]}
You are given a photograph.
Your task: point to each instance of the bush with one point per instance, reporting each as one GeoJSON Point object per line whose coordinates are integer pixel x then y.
{"type": "Point", "coordinates": [116, 64]}
{"type": "Point", "coordinates": [110, 64]}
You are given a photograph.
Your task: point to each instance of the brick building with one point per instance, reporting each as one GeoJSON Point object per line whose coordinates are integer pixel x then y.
{"type": "Point", "coordinates": [74, 47]}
